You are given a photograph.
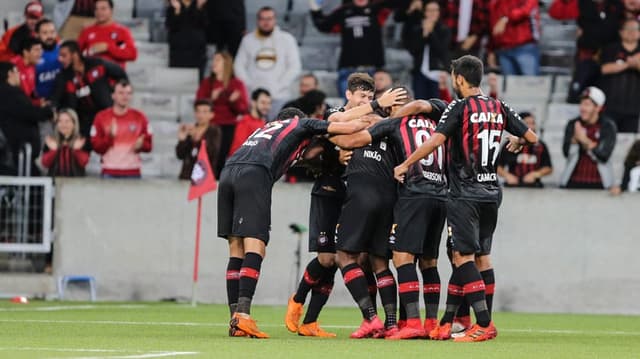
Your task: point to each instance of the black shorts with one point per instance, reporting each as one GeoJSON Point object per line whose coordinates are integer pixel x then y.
{"type": "Point", "coordinates": [244, 202]}
{"type": "Point", "coordinates": [418, 227]}
{"type": "Point", "coordinates": [365, 221]}
{"type": "Point", "coordinates": [323, 218]}
{"type": "Point", "coordinates": [471, 225]}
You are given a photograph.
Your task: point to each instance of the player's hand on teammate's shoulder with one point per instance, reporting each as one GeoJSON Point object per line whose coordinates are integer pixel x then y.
{"type": "Point", "coordinates": [515, 144]}
{"type": "Point", "coordinates": [345, 156]}
{"type": "Point", "coordinates": [399, 172]}
{"type": "Point", "coordinates": [392, 97]}
{"type": "Point", "coordinates": [371, 119]}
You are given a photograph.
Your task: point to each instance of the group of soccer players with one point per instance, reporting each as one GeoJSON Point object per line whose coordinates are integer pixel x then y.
{"type": "Point", "coordinates": [413, 165]}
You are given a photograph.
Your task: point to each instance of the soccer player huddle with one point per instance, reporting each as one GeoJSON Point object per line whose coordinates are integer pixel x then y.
{"type": "Point", "coordinates": [389, 172]}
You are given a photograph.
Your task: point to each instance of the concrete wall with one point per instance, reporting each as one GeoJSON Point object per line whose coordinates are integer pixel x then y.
{"type": "Point", "coordinates": [554, 250]}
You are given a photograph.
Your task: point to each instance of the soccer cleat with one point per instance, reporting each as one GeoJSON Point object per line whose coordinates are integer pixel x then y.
{"type": "Point", "coordinates": [314, 330]}
{"type": "Point", "coordinates": [402, 323]}
{"type": "Point", "coordinates": [294, 312]}
{"type": "Point", "coordinates": [244, 322]}
{"type": "Point", "coordinates": [388, 332]}
{"type": "Point", "coordinates": [441, 332]}
{"type": "Point", "coordinates": [461, 324]}
{"type": "Point", "coordinates": [369, 329]}
{"type": "Point", "coordinates": [412, 330]}
{"type": "Point", "coordinates": [429, 325]}
{"type": "Point", "coordinates": [233, 332]}
{"type": "Point", "coordinates": [478, 334]}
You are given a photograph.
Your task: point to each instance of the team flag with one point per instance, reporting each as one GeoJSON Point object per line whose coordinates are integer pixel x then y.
{"type": "Point", "coordinates": [202, 179]}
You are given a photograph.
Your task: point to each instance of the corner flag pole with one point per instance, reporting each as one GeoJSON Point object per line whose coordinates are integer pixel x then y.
{"type": "Point", "coordinates": [197, 254]}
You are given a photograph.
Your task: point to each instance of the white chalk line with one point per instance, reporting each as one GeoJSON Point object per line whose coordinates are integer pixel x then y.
{"type": "Point", "coordinates": [139, 353]}
{"type": "Point", "coordinates": [54, 308]}
{"type": "Point", "coordinates": [195, 324]}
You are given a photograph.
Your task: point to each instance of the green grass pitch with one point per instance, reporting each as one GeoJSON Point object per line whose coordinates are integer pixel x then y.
{"type": "Point", "coordinates": [167, 330]}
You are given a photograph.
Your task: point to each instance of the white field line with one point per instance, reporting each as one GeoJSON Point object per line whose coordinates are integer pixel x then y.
{"type": "Point", "coordinates": [195, 324]}
{"type": "Point", "coordinates": [139, 353]}
{"type": "Point", "coordinates": [54, 308]}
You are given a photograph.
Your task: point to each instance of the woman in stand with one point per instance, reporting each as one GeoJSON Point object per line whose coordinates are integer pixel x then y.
{"type": "Point", "coordinates": [63, 154]}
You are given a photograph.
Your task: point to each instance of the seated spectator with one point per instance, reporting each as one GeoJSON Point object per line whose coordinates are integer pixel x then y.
{"type": "Point", "coordinates": [119, 134]}
{"type": "Point", "coordinates": [227, 24]}
{"type": "Point", "coordinates": [229, 97]}
{"type": "Point", "coordinates": [12, 39]}
{"type": "Point", "coordinates": [515, 33]}
{"type": "Point", "coordinates": [63, 154]}
{"type": "Point", "coordinates": [84, 84]}
{"type": "Point", "coordinates": [469, 23]}
{"type": "Point", "coordinates": [268, 58]}
{"type": "Point", "coordinates": [308, 82]}
{"type": "Point", "coordinates": [383, 82]}
{"type": "Point", "coordinates": [26, 63]}
{"type": "Point", "coordinates": [191, 136]}
{"type": "Point", "coordinates": [73, 16]}
{"type": "Point", "coordinates": [255, 119]}
{"type": "Point", "coordinates": [589, 141]}
{"type": "Point", "coordinates": [107, 39]}
{"type": "Point", "coordinates": [621, 77]}
{"type": "Point", "coordinates": [631, 9]}
{"type": "Point", "coordinates": [19, 118]}
{"type": "Point", "coordinates": [186, 21]}
{"type": "Point", "coordinates": [631, 177]}
{"type": "Point", "coordinates": [427, 38]}
{"type": "Point", "coordinates": [527, 167]}
{"type": "Point", "coordinates": [50, 66]}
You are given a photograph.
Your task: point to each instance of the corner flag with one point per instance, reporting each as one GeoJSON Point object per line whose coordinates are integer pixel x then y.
{"type": "Point", "coordinates": [202, 179]}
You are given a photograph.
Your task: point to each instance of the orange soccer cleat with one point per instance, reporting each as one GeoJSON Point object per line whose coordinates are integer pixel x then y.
{"type": "Point", "coordinates": [369, 329]}
{"type": "Point", "coordinates": [429, 325]}
{"type": "Point", "coordinates": [314, 330]}
{"type": "Point", "coordinates": [243, 322]}
{"type": "Point", "coordinates": [233, 332]}
{"type": "Point", "coordinates": [294, 312]}
{"type": "Point", "coordinates": [478, 334]}
{"type": "Point", "coordinates": [412, 330]}
{"type": "Point", "coordinates": [441, 332]}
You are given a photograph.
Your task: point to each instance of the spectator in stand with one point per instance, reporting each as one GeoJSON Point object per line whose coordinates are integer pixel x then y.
{"type": "Point", "coordinates": [119, 134]}
{"type": "Point", "coordinates": [191, 136]}
{"type": "Point", "coordinates": [361, 35]}
{"type": "Point", "coordinates": [63, 154]}
{"type": "Point", "coordinates": [383, 82]}
{"type": "Point", "coordinates": [107, 39]}
{"type": "Point", "coordinates": [19, 118]}
{"type": "Point", "coordinates": [515, 33]}
{"type": "Point", "coordinates": [308, 82]}
{"type": "Point", "coordinates": [227, 24]}
{"type": "Point", "coordinates": [31, 55]}
{"type": "Point", "coordinates": [631, 9]}
{"type": "Point", "coordinates": [255, 119]}
{"type": "Point", "coordinates": [631, 177]}
{"type": "Point", "coordinates": [229, 97]}
{"type": "Point", "coordinates": [50, 66]}
{"type": "Point", "coordinates": [268, 58]}
{"type": "Point", "coordinates": [12, 39]}
{"type": "Point", "coordinates": [621, 77]}
{"type": "Point", "coordinates": [469, 23]}
{"type": "Point", "coordinates": [589, 141]}
{"type": "Point", "coordinates": [72, 16]}
{"type": "Point", "coordinates": [427, 39]}
{"type": "Point", "coordinates": [186, 21]}
{"type": "Point", "coordinates": [527, 167]}
{"type": "Point", "coordinates": [598, 24]}
{"type": "Point", "coordinates": [564, 10]}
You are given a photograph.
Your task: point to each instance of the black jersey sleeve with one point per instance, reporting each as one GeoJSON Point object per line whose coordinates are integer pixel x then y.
{"type": "Point", "coordinates": [383, 128]}
{"type": "Point", "coordinates": [437, 109]}
{"type": "Point", "coordinates": [514, 125]}
{"type": "Point", "coordinates": [451, 118]}
{"type": "Point", "coordinates": [314, 126]}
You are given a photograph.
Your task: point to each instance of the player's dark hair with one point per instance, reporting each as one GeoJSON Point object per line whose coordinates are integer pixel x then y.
{"type": "Point", "coordinates": [109, 1]}
{"type": "Point", "coordinates": [288, 113]}
{"type": "Point", "coordinates": [5, 68]}
{"type": "Point", "coordinates": [263, 9]}
{"type": "Point", "coordinates": [259, 91]}
{"type": "Point", "coordinates": [72, 46]}
{"type": "Point", "coordinates": [525, 114]}
{"type": "Point", "coordinates": [122, 83]}
{"type": "Point", "coordinates": [470, 68]}
{"type": "Point", "coordinates": [202, 102]}
{"type": "Point", "coordinates": [43, 21]}
{"type": "Point", "coordinates": [409, 96]}
{"type": "Point", "coordinates": [28, 43]}
{"type": "Point", "coordinates": [360, 81]}
{"type": "Point", "coordinates": [310, 101]}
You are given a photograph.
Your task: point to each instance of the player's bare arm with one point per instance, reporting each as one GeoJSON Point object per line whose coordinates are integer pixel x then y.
{"type": "Point", "coordinates": [346, 128]}
{"type": "Point", "coordinates": [358, 139]}
{"type": "Point", "coordinates": [516, 143]}
{"type": "Point", "coordinates": [413, 108]}
{"type": "Point", "coordinates": [391, 97]}
{"type": "Point", "coordinates": [423, 151]}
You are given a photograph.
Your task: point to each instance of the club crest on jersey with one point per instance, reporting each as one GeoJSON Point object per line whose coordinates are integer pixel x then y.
{"type": "Point", "coordinates": [383, 145]}
{"type": "Point", "coordinates": [322, 239]}
{"type": "Point", "coordinates": [491, 117]}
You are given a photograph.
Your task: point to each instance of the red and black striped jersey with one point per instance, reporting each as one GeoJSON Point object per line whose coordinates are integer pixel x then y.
{"type": "Point", "coordinates": [278, 144]}
{"type": "Point", "coordinates": [531, 158]}
{"type": "Point", "coordinates": [474, 128]}
{"type": "Point", "coordinates": [425, 177]}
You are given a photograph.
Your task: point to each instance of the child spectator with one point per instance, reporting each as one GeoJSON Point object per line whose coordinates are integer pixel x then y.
{"type": "Point", "coordinates": [191, 136]}
{"type": "Point", "coordinates": [26, 63]}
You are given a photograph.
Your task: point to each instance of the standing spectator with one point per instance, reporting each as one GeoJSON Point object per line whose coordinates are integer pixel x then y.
{"type": "Point", "coordinates": [308, 82]}
{"type": "Point", "coordinates": [631, 9]}
{"type": "Point", "coordinates": [72, 16]}
{"type": "Point", "coordinates": [515, 33]}
{"type": "Point", "coordinates": [598, 24]}
{"type": "Point", "coordinates": [229, 97]}
{"type": "Point", "coordinates": [107, 39]}
{"type": "Point", "coordinates": [621, 77]}
{"type": "Point", "coordinates": [191, 136]}
{"type": "Point", "coordinates": [527, 167]}
{"type": "Point", "coordinates": [255, 119]}
{"type": "Point", "coordinates": [12, 39]}
{"type": "Point", "coordinates": [383, 82]}
{"type": "Point", "coordinates": [119, 134]}
{"type": "Point", "coordinates": [631, 177]}
{"type": "Point", "coordinates": [589, 141]}
{"type": "Point", "coordinates": [227, 24]}
{"type": "Point", "coordinates": [84, 84]}
{"type": "Point", "coordinates": [361, 36]}
{"type": "Point", "coordinates": [186, 21]}
{"type": "Point", "coordinates": [564, 10]}
{"type": "Point", "coordinates": [427, 39]}
{"type": "Point", "coordinates": [268, 58]}
{"type": "Point", "coordinates": [31, 54]}
{"type": "Point", "coordinates": [64, 154]}
{"type": "Point", "coordinates": [50, 66]}
{"type": "Point", "coordinates": [19, 118]}
{"type": "Point", "coordinates": [469, 23]}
